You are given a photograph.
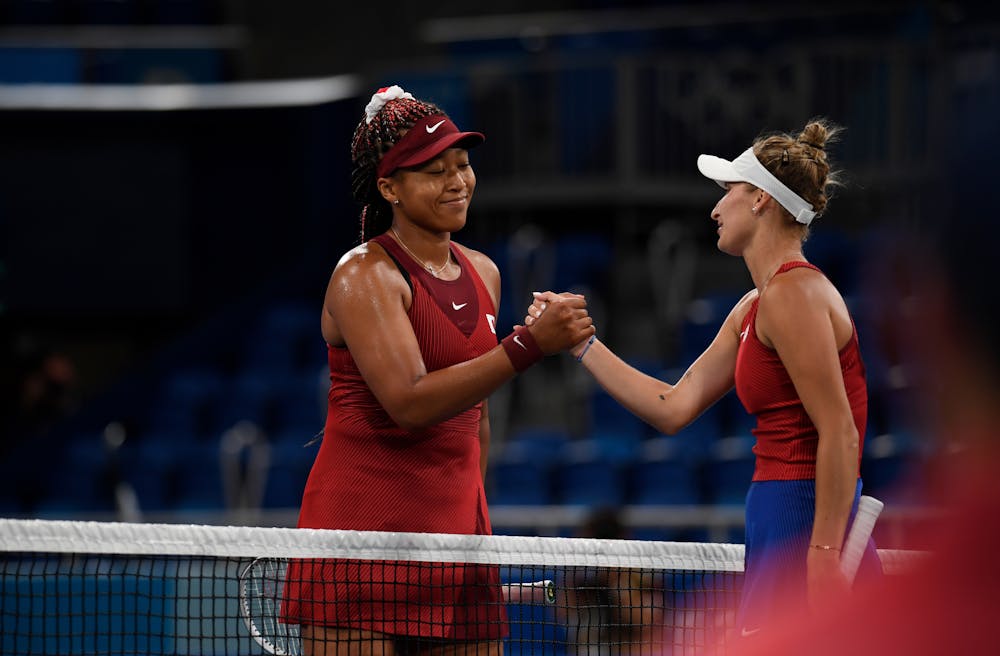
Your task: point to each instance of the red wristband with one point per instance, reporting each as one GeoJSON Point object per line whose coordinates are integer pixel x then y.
{"type": "Point", "coordinates": [521, 348]}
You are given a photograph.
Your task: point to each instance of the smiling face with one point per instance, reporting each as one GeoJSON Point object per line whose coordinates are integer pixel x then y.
{"type": "Point", "coordinates": [735, 221]}
{"type": "Point", "coordinates": [437, 193]}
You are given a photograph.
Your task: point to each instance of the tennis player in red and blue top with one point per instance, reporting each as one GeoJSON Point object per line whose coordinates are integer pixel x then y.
{"type": "Point", "coordinates": [790, 349]}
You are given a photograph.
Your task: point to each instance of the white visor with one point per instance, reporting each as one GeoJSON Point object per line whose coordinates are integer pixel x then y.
{"type": "Point", "coordinates": [746, 168]}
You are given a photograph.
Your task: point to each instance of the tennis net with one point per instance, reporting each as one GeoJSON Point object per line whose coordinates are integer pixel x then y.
{"type": "Point", "coordinates": [73, 587]}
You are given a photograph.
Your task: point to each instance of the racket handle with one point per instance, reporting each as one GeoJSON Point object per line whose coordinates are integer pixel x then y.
{"type": "Point", "coordinates": [869, 508]}
{"type": "Point", "coordinates": [535, 592]}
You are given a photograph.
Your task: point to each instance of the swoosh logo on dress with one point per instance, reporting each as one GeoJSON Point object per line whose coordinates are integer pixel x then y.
{"type": "Point", "coordinates": [517, 340]}
{"type": "Point", "coordinates": [458, 306]}
{"type": "Point", "coordinates": [745, 632]}
{"type": "Point", "coordinates": [432, 128]}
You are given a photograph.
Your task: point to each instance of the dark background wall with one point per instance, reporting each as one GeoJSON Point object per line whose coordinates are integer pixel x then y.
{"type": "Point", "coordinates": [136, 223]}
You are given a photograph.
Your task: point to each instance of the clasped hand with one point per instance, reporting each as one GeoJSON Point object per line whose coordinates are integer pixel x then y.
{"type": "Point", "coordinates": [565, 313]}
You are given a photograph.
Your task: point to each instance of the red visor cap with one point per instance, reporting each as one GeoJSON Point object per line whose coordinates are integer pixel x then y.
{"type": "Point", "coordinates": [428, 138]}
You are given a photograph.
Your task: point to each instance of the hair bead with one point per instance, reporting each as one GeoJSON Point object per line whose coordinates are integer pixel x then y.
{"type": "Point", "coordinates": [373, 136]}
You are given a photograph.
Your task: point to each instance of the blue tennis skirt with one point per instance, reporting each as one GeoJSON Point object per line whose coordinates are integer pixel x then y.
{"type": "Point", "coordinates": [779, 520]}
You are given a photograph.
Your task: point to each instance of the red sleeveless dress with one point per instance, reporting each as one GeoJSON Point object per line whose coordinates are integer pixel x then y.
{"type": "Point", "coordinates": [370, 474]}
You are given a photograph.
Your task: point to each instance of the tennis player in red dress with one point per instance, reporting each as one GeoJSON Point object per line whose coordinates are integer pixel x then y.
{"type": "Point", "coordinates": [410, 323]}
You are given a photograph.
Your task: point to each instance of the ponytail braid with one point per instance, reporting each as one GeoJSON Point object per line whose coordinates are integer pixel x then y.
{"type": "Point", "coordinates": [371, 140]}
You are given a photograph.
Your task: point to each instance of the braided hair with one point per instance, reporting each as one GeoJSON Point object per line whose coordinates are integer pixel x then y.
{"type": "Point", "coordinates": [800, 161]}
{"type": "Point", "coordinates": [370, 142]}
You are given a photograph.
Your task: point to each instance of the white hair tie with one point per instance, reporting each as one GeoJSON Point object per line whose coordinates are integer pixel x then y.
{"type": "Point", "coordinates": [381, 97]}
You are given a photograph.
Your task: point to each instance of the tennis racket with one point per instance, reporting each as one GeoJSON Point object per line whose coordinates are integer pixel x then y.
{"type": "Point", "coordinates": [262, 586]}
{"type": "Point", "coordinates": [869, 508]}
{"type": "Point", "coordinates": [261, 592]}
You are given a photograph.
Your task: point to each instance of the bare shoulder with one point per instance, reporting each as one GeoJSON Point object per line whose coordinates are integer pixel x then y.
{"type": "Point", "coordinates": [800, 305]}
{"type": "Point", "coordinates": [802, 301]}
{"type": "Point", "coordinates": [359, 256]}
{"type": "Point", "coordinates": [799, 290]}
{"type": "Point", "coordinates": [364, 268]}
{"type": "Point", "coordinates": [364, 280]}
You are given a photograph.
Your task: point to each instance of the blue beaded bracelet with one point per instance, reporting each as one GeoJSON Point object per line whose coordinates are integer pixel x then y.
{"type": "Point", "coordinates": [586, 348]}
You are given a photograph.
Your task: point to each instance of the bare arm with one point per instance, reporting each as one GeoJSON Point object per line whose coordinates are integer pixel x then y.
{"type": "Point", "coordinates": [800, 315]}
{"type": "Point", "coordinates": [666, 407]}
{"type": "Point", "coordinates": [366, 310]}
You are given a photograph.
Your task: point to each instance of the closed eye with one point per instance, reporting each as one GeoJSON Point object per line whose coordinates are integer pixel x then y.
{"type": "Point", "coordinates": [441, 171]}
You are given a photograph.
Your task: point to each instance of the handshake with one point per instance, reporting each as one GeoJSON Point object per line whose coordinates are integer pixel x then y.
{"type": "Point", "coordinates": [560, 322]}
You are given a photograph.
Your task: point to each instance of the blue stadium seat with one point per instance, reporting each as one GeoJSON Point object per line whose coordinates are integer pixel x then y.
{"type": "Point", "coordinates": [516, 480]}
{"type": "Point", "coordinates": [300, 402]}
{"type": "Point", "coordinates": [887, 463]}
{"type": "Point", "coordinates": [199, 478]}
{"type": "Point", "coordinates": [733, 417]}
{"type": "Point", "coordinates": [663, 475]}
{"type": "Point", "coordinates": [609, 416]}
{"type": "Point", "coordinates": [586, 109]}
{"type": "Point", "coordinates": [729, 470]}
{"type": "Point", "coordinates": [173, 65]}
{"type": "Point", "coordinates": [655, 533]}
{"type": "Point", "coordinates": [286, 342]}
{"type": "Point", "coordinates": [150, 467]}
{"type": "Point", "coordinates": [703, 318]}
{"type": "Point", "coordinates": [526, 260]}
{"type": "Point", "coordinates": [290, 318]}
{"type": "Point", "coordinates": [79, 480]}
{"type": "Point", "coordinates": [187, 402]}
{"type": "Point", "coordinates": [582, 261]}
{"type": "Point", "coordinates": [541, 444]}
{"type": "Point", "coordinates": [696, 440]}
{"type": "Point", "coordinates": [286, 477]}
{"type": "Point", "coordinates": [40, 65]}
{"type": "Point", "coordinates": [620, 448]}
{"type": "Point", "coordinates": [586, 478]}
{"type": "Point", "coordinates": [837, 255]}
{"type": "Point", "coordinates": [247, 398]}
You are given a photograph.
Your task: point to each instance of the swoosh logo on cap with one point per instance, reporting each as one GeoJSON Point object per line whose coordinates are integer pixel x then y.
{"type": "Point", "coordinates": [432, 128]}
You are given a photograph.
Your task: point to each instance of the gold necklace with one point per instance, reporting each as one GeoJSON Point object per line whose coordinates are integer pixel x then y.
{"type": "Point", "coordinates": [431, 270]}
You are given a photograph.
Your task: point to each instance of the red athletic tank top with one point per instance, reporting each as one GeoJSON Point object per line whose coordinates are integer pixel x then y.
{"type": "Point", "coordinates": [786, 437]}
{"type": "Point", "coordinates": [370, 474]}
